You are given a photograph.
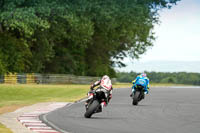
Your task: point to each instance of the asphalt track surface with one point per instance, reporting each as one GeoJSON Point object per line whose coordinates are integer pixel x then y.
{"type": "Point", "coordinates": [164, 110]}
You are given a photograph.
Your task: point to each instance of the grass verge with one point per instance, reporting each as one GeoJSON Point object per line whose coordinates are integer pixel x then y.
{"type": "Point", "coordinates": [3, 129]}
{"type": "Point", "coordinates": [29, 94]}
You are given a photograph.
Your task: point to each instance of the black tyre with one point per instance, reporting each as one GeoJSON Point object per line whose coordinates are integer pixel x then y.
{"type": "Point", "coordinates": [136, 98]}
{"type": "Point", "coordinates": [91, 109]}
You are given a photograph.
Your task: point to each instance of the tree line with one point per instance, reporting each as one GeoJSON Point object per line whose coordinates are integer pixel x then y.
{"type": "Point", "coordinates": [163, 77]}
{"type": "Point", "coordinates": [81, 37]}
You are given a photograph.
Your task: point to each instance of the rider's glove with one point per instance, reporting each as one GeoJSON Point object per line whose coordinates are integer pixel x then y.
{"type": "Point", "coordinates": [91, 88]}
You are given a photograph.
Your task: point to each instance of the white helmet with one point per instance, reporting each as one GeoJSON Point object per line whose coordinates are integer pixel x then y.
{"type": "Point", "coordinates": [105, 77]}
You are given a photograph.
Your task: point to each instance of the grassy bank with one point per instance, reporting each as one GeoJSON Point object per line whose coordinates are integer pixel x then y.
{"type": "Point", "coordinates": [12, 95]}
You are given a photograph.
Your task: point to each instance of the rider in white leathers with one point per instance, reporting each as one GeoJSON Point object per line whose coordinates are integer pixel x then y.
{"type": "Point", "coordinates": [105, 86]}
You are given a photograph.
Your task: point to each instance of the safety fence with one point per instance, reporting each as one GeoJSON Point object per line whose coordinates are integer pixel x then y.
{"type": "Point", "coordinates": [34, 78]}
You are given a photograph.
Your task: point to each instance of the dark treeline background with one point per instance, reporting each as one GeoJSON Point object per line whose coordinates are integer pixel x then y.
{"type": "Point", "coordinates": [81, 37]}
{"type": "Point", "coordinates": [163, 77]}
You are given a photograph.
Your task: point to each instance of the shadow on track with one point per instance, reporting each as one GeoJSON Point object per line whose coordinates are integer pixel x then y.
{"type": "Point", "coordinates": [105, 118]}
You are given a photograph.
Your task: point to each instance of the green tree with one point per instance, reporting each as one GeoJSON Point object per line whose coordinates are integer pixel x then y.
{"type": "Point", "coordinates": [82, 37]}
{"type": "Point", "coordinates": [13, 54]}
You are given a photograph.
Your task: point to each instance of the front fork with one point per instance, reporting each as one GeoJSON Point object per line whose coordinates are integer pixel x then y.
{"type": "Point", "coordinates": [133, 89]}
{"type": "Point", "coordinates": [142, 95]}
{"type": "Point", "coordinates": [90, 97]}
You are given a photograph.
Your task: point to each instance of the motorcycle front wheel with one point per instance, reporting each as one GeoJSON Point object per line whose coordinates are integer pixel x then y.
{"type": "Point", "coordinates": [136, 98]}
{"type": "Point", "coordinates": [91, 109]}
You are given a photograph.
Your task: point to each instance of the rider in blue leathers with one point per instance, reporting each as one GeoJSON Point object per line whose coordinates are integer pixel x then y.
{"type": "Point", "coordinates": [142, 80]}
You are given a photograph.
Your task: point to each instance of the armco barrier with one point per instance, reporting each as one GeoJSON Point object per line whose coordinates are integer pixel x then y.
{"type": "Point", "coordinates": [34, 78]}
{"type": "Point", "coordinates": [10, 78]}
{"type": "Point", "coordinates": [1, 79]}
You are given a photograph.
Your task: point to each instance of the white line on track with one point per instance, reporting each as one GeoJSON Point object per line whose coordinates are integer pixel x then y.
{"type": "Point", "coordinates": [52, 125]}
{"type": "Point", "coordinates": [46, 131]}
{"type": "Point", "coordinates": [39, 128]}
{"type": "Point", "coordinates": [34, 124]}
